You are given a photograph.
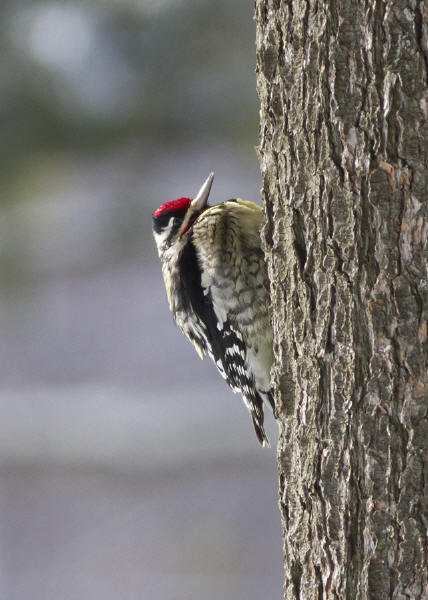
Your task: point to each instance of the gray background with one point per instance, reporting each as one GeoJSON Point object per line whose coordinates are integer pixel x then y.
{"type": "Point", "coordinates": [128, 469]}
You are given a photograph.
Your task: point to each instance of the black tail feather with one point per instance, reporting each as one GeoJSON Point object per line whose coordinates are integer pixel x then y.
{"type": "Point", "coordinates": [271, 401]}
{"type": "Point", "coordinates": [259, 429]}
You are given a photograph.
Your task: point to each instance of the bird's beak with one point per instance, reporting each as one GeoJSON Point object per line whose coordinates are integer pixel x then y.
{"type": "Point", "coordinates": [198, 204]}
{"type": "Point", "coordinates": [202, 198]}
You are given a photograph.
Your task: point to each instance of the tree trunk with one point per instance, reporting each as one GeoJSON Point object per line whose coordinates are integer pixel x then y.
{"type": "Point", "coordinates": [343, 150]}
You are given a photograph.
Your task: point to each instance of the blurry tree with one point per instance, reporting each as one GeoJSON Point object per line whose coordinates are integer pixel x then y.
{"type": "Point", "coordinates": [91, 74]}
{"type": "Point", "coordinates": [94, 96]}
{"type": "Point", "coordinates": [344, 147]}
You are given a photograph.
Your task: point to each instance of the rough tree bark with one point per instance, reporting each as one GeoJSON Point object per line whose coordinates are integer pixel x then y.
{"type": "Point", "coordinates": [343, 150]}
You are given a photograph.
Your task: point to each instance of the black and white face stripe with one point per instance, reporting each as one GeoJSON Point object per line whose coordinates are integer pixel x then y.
{"type": "Point", "coordinates": [166, 226]}
{"type": "Point", "coordinates": [180, 213]}
{"type": "Point", "coordinates": [167, 220]}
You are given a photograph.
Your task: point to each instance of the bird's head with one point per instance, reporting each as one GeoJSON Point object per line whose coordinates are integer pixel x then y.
{"type": "Point", "coordinates": [172, 219]}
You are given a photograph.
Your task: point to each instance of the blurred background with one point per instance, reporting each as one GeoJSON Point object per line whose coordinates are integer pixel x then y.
{"type": "Point", "coordinates": [128, 469]}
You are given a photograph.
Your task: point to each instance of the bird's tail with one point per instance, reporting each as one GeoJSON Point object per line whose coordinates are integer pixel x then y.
{"type": "Point", "coordinates": [257, 416]}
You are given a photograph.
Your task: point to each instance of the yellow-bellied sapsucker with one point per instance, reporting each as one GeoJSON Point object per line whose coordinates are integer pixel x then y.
{"type": "Point", "coordinates": [217, 287]}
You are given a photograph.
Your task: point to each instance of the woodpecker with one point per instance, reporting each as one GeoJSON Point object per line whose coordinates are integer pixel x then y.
{"type": "Point", "coordinates": [217, 287]}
